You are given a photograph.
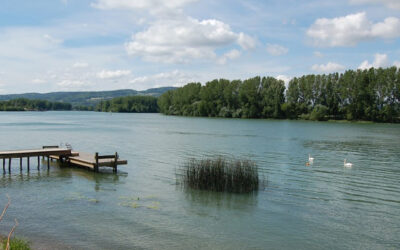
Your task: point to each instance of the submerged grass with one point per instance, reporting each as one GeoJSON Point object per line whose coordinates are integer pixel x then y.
{"type": "Point", "coordinates": [221, 175]}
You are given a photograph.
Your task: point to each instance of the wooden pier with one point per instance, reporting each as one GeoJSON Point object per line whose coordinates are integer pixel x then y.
{"type": "Point", "coordinates": [64, 155]}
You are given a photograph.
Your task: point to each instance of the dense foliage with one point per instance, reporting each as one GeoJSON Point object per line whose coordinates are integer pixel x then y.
{"type": "Point", "coordinates": [131, 104]}
{"type": "Point", "coordinates": [22, 104]}
{"type": "Point", "coordinates": [371, 95]}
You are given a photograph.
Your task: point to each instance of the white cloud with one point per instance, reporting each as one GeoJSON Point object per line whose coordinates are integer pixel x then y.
{"type": "Point", "coordinates": [380, 61]}
{"type": "Point", "coordinates": [328, 68]}
{"type": "Point", "coordinates": [276, 49]}
{"type": "Point", "coordinates": [154, 6]}
{"type": "Point", "coordinates": [246, 41]}
{"type": "Point", "coordinates": [393, 4]}
{"type": "Point", "coordinates": [108, 74]}
{"type": "Point", "coordinates": [174, 78]}
{"type": "Point", "coordinates": [184, 39]}
{"type": "Point", "coordinates": [230, 55]}
{"type": "Point", "coordinates": [352, 29]}
{"type": "Point", "coordinates": [52, 39]}
{"type": "Point", "coordinates": [318, 54]}
{"type": "Point", "coordinates": [72, 83]}
{"type": "Point", "coordinates": [284, 78]}
{"type": "Point", "coordinates": [38, 81]}
{"type": "Point", "coordinates": [80, 65]}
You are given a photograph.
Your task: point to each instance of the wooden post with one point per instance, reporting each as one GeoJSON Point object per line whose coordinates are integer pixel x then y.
{"type": "Point", "coordinates": [38, 162]}
{"type": "Point", "coordinates": [96, 167]}
{"type": "Point", "coordinates": [9, 165]}
{"type": "Point", "coordinates": [48, 162]}
{"type": "Point", "coordinates": [115, 162]}
{"type": "Point", "coordinates": [28, 163]}
{"type": "Point", "coordinates": [20, 163]}
{"type": "Point", "coordinates": [4, 164]}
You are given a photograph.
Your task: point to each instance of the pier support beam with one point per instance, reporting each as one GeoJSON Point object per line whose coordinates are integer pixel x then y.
{"type": "Point", "coordinates": [38, 162]}
{"type": "Point", "coordinates": [96, 166]}
{"type": "Point", "coordinates": [9, 165]}
{"type": "Point", "coordinates": [115, 163]}
{"type": "Point", "coordinates": [48, 162]}
{"type": "Point", "coordinates": [4, 165]}
{"type": "Point", "coordinates": [28, 163]}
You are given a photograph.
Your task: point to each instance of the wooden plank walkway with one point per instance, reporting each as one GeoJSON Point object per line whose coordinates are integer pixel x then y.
{"type": "Point", "coordinates": [35, 152]}
{"type": "Point", "coordinates": [86, 160]}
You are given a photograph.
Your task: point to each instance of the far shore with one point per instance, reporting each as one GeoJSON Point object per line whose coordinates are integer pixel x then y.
{"type": "Point", "coordinates": [272, 119]}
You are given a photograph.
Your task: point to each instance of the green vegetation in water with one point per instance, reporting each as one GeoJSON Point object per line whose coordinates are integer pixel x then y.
{"type": "Point", "coordinates": [367, 95]}
{"type": "Point", "coordinates": [129, 104]}
{"type": "Point", "coordinates": [221, 175]}
{"type": "Point", "coordinates": [136, 202]}
{"type": "Point", "coordinates": [22, 104]}
{"type": "Point", "coordinates": [75, 196]}
{"type": "Point", "coordinates": [16, 244]}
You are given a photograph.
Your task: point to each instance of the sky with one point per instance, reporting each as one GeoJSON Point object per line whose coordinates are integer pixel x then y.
{"type": "Point", "coordinates": [89, 45]}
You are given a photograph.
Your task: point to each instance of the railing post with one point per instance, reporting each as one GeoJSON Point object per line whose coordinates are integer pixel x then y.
{"type": "Point", "coordinates": [115, 162]}
{"type": "Point", "coordinates": [96, 157]}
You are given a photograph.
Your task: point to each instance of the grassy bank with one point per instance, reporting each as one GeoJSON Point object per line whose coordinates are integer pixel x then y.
{"type": "Point", "coordinates": [15, 244]}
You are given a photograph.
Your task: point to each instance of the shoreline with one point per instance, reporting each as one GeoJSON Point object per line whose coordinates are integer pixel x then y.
{"type": "Point", "coordinates": [212, 117]}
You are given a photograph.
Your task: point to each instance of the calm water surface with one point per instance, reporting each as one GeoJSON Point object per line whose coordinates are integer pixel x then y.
{"type": "Point", "coordinates": [142, 207]}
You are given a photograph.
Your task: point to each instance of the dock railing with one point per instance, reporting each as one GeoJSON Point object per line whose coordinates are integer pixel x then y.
{"type": "Point", "coordinates": [98, 157]}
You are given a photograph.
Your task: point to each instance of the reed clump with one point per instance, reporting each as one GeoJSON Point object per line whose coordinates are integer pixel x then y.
{"type": "Point", "coordinates": [16, 244]}
{"type": "Point", "coordinates": [9, 243]}
{"type": "Point", "coordinates": [221, 175]}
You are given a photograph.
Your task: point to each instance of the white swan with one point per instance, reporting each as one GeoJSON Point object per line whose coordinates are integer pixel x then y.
{"type": "Point", "coordinates": [310, 159]}
{"type": "Point", "coordinates": [347, 164]}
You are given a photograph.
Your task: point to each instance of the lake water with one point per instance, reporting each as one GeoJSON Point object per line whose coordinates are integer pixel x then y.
{"type": "Point", "coordinates": [320, 206]}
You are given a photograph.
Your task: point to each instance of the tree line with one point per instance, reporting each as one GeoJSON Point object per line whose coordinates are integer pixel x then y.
{"type": "Point", "coordinates": [370, 95]}
{"type": "Point", "coordinates": [23, 104]}
{"type": "Point", "coordinates": [129, 104]}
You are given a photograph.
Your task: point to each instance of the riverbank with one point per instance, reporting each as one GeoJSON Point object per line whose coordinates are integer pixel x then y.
{"type": "Point", "coordinates": [227, 118]}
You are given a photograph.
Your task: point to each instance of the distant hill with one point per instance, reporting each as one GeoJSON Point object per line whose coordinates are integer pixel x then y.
{"type": "Point", "coordinates": [86, 98]}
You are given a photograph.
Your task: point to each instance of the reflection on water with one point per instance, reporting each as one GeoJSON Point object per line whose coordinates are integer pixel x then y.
{"type": "Point", "coordinates": [221, 200]}
{"type": "Point", "coordinates": [302, 207]}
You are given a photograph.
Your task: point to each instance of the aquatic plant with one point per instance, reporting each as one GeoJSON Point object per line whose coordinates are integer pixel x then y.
{"type": "Point", "coordinates": [12, 243]}
{"type": "Point", "coordinates": [221, 175]}
{"type": "Point", "coordinates": [17, 244]}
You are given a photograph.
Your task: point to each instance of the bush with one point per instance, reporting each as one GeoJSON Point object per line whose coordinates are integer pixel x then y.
{"type": "Point", "coordinates": [17, 244]}
{"type": "Point", "coordinates": [221, 175]}
{"type": "Point", "coordinates": [304, 117]}
{"type": "Point", "coordinates": [319, 113]}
